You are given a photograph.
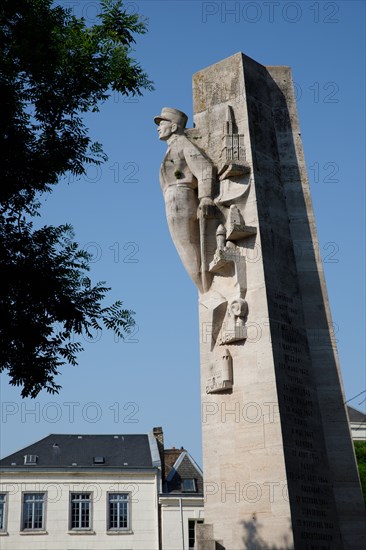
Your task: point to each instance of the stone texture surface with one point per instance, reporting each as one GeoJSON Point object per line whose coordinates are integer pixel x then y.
{"type": "Point", "coordinates": [278, 458]}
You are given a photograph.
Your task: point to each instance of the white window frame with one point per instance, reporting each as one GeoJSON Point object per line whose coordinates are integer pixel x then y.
{"type": "Point", "coordinates": [33, 502]}
{"type": "Point", "coordinates": [194, 485]}
{"type": "Point", "coordinates": [128, 500]}
{"type": "Point", "coordinates": [30, 459]}
{"type": "Point", "coordinates": [4, 504]}
{"type": "Point", "coordinates": [80, 501]}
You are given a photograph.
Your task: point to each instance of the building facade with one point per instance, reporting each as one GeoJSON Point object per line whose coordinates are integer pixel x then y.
{"type": "Point", "coordinates": [357, 422]}
{"type": "Point", "coordinates": [105, 492]}
{"type": "Point", "coordinates": [181, 500]}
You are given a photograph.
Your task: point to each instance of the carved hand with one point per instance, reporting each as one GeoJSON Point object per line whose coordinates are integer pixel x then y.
{"type": "Point", "coordinates": [206, 208]}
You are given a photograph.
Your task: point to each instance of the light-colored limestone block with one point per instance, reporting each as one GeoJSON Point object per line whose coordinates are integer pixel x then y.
{"type": "Point", "coordinates": [278, 459]}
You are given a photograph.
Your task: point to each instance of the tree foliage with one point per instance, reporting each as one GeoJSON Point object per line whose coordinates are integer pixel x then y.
{"type": "Point", "coordinates": [54, 68]}
{"type": "Point", "coordinates": [360, 449]}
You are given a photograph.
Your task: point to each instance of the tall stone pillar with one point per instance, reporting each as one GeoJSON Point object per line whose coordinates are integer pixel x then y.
{"type": "Point", "coordinates": [278, 459]}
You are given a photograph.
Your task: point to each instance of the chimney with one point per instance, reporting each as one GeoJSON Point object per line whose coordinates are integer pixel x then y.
{"type": "Point", "coordinates": [159, 436]}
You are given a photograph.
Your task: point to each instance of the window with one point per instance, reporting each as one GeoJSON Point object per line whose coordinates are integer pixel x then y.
{"type": "Point", "coordinates": [119, 511]}
{"type": "Point", "coordinates": [192, 532]}
{"type": "Point", "coordinates": [33, 511]}
{"type": "Point", "coordinates": [80, 511]}
{"type": "Point", "coordinates": [30, 459]}
{"type": "Point", "coordinates": [2, 511]}
{"type": "Point", "coordinates": [189, 485]}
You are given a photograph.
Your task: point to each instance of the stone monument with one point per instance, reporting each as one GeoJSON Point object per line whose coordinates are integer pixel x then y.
{"type": "Point", "coordinates": [278, 459]}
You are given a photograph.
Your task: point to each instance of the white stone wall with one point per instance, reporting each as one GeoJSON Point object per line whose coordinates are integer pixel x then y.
{"type": "Point", "coordinates": [144, 514]}
{"type": "Point", "coordinates": [171, 521]}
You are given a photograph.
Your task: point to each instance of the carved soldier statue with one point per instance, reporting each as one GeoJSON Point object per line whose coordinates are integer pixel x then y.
{"type": "Point", "coordinates": [187, 180]}
{"type": "Point", "coordinates": [204, 210]}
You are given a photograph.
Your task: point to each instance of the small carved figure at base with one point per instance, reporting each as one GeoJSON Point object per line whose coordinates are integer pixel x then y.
{"type": "Point", "coordinates": [221, 372]}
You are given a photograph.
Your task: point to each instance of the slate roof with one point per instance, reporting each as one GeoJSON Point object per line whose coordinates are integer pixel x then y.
{"type": "Point", "coordinates": [184, 468]}
{"type": "Point", "coordinates": [170, 458]}
{"type": "Point", "coordinates": [64, 451]}
{"type": "Point", "coordinates": [355, 416]}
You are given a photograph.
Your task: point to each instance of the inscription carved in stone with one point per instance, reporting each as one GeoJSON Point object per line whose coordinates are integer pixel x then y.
{"type": "Point", "coordinates": [238, 210]}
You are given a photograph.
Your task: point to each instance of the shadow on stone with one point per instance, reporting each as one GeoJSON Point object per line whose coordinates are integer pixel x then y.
{"type": "Point", "coordinates": [253, 540]}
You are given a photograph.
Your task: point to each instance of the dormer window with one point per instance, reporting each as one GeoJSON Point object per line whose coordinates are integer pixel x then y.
{"type": "Point", "coordinates": [30, 459]}
{"type": "Point", "coordinates": [189, 486]}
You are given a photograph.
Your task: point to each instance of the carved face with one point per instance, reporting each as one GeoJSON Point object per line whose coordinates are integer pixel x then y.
{"type": "Point", "coordinates": [166, 129]}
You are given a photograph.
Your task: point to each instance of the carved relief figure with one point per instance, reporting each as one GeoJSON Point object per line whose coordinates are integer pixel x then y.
{"type": "Point", "coordinates": [187, 179]}
{"type": "Point", "coordinates": [220, 373]}
{"type": "Point", "coordinates": [205, 213]}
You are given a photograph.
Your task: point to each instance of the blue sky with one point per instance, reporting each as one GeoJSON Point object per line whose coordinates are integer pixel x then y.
{"type": "Point", "coordinates": [118, 213]}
